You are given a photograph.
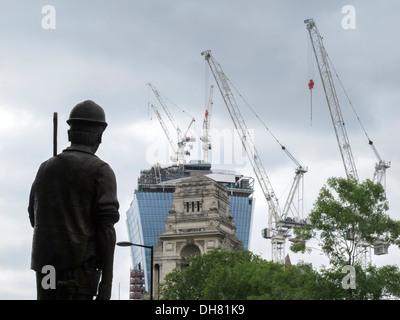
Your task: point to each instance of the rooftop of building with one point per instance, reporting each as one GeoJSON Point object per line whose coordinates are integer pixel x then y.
{"type": "Point", "coordinates": [164, 179]}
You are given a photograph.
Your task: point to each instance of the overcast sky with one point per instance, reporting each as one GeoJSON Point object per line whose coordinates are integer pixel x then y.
{"type": "Point", "coordinates": [108, 51]}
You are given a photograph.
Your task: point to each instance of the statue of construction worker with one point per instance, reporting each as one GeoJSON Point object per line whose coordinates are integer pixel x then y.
{"type": "Point", "coordinates": [73, 207]}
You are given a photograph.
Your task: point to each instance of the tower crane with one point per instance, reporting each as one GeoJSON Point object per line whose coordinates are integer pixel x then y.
{"type": "Point", "coordinates": [206, 126]}
{"type": "Point", "coordinates": [336, 114]}
{"type": "Point", "coordinates": [338, 123]}
{"type": "Point", "coordinates": [331, 98]}
{"type": "Point", "coordinates": [279, 225]}
{"type": "Point", "coordinates": [183, 139]}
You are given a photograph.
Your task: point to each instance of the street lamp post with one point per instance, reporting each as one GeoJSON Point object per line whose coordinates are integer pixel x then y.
{"type": "Point", "coordinates": [128, 244]}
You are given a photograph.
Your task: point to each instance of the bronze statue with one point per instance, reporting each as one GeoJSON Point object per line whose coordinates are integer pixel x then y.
{"type": "Point", "coordinates": [73, 207]}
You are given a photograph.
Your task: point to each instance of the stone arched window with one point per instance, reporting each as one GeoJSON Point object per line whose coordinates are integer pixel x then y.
{"type": "Point", "coordinates": [188, 251]}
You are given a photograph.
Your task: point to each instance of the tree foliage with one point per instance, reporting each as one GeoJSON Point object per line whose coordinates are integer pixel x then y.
{"type": "Point", "coordinates": [346, 214]}
{"type": "Point", "coordinates": [234, 275]}
{"type": "Point", "coordinates": [241, 275]}
{"type": "Point", "coordinates": [371, 283]}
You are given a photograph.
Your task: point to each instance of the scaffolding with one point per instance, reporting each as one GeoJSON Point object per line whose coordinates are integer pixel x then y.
{"type": "Point", "coordinates": [136, 288]}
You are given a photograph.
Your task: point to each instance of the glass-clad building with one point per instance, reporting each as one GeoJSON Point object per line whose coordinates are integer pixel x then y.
{"type": "Point", "coordinates": [242, 212]}
{"type": "Point", "coordinates": [153, 199]}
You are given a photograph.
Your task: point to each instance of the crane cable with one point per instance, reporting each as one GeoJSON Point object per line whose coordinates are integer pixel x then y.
{"type": "Point", "coordinates": [348, 98]}
{"type": "Point", "coordinates": [310, 56]}
{"type": "Point", "coordinates": [270, 132]}
{"type": "Point", "coordinates": [148, 105]}
{"type": "Point", "coordinates": [175, 104]}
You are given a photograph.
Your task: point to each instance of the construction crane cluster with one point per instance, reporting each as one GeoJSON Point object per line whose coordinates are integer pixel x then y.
{"type": "Point", "coordinates": [279, 223]}
{"type": "Point", "coordinates": [178, 147]}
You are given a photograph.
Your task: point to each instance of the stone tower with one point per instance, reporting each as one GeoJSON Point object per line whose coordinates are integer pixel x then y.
{"type": "Point", "coordinates": [199, 221]}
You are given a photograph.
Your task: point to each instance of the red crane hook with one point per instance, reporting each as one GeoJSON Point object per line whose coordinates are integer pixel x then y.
{"type": "Point", "coordinates": [311, 84]}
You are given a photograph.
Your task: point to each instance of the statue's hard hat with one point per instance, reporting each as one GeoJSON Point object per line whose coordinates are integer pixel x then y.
{"type": "Point", "coordinates": [88, 112]}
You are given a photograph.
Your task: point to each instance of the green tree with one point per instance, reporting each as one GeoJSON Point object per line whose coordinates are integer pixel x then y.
{"type": "Point", "coordinates": [346, 214]}
{"type": "Point", "coordinates": [204, 272]}
{"type": "Point", "coordinates": [238, 275]}
{"type": "Point", "coordinates": [274, 281]}
{"type": "Point", "coordinates": [372, 283]}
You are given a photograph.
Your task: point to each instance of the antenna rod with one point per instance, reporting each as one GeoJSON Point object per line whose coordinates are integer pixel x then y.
{"type": "Point", "coordinates": [55, 127]}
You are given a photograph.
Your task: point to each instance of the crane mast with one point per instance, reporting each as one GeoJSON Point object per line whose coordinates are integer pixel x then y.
{"type": "Point", "coordinates": [278, 225]}
{"type": "Point", "coordinates": [333, 103]}
{"type": "Point", "coordinates": [206, 126]}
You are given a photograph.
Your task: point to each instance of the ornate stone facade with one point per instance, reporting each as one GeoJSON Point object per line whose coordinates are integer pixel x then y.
{"type": "Point", "coordinates": [199, 221]}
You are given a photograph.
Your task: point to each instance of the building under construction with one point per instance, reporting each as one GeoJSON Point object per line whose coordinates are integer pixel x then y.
{"type": "Point", "coordinates": [153, 199]}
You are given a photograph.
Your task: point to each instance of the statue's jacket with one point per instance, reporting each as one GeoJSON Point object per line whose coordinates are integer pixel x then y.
{"type": "Point", "coordinates": [73, 204]}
